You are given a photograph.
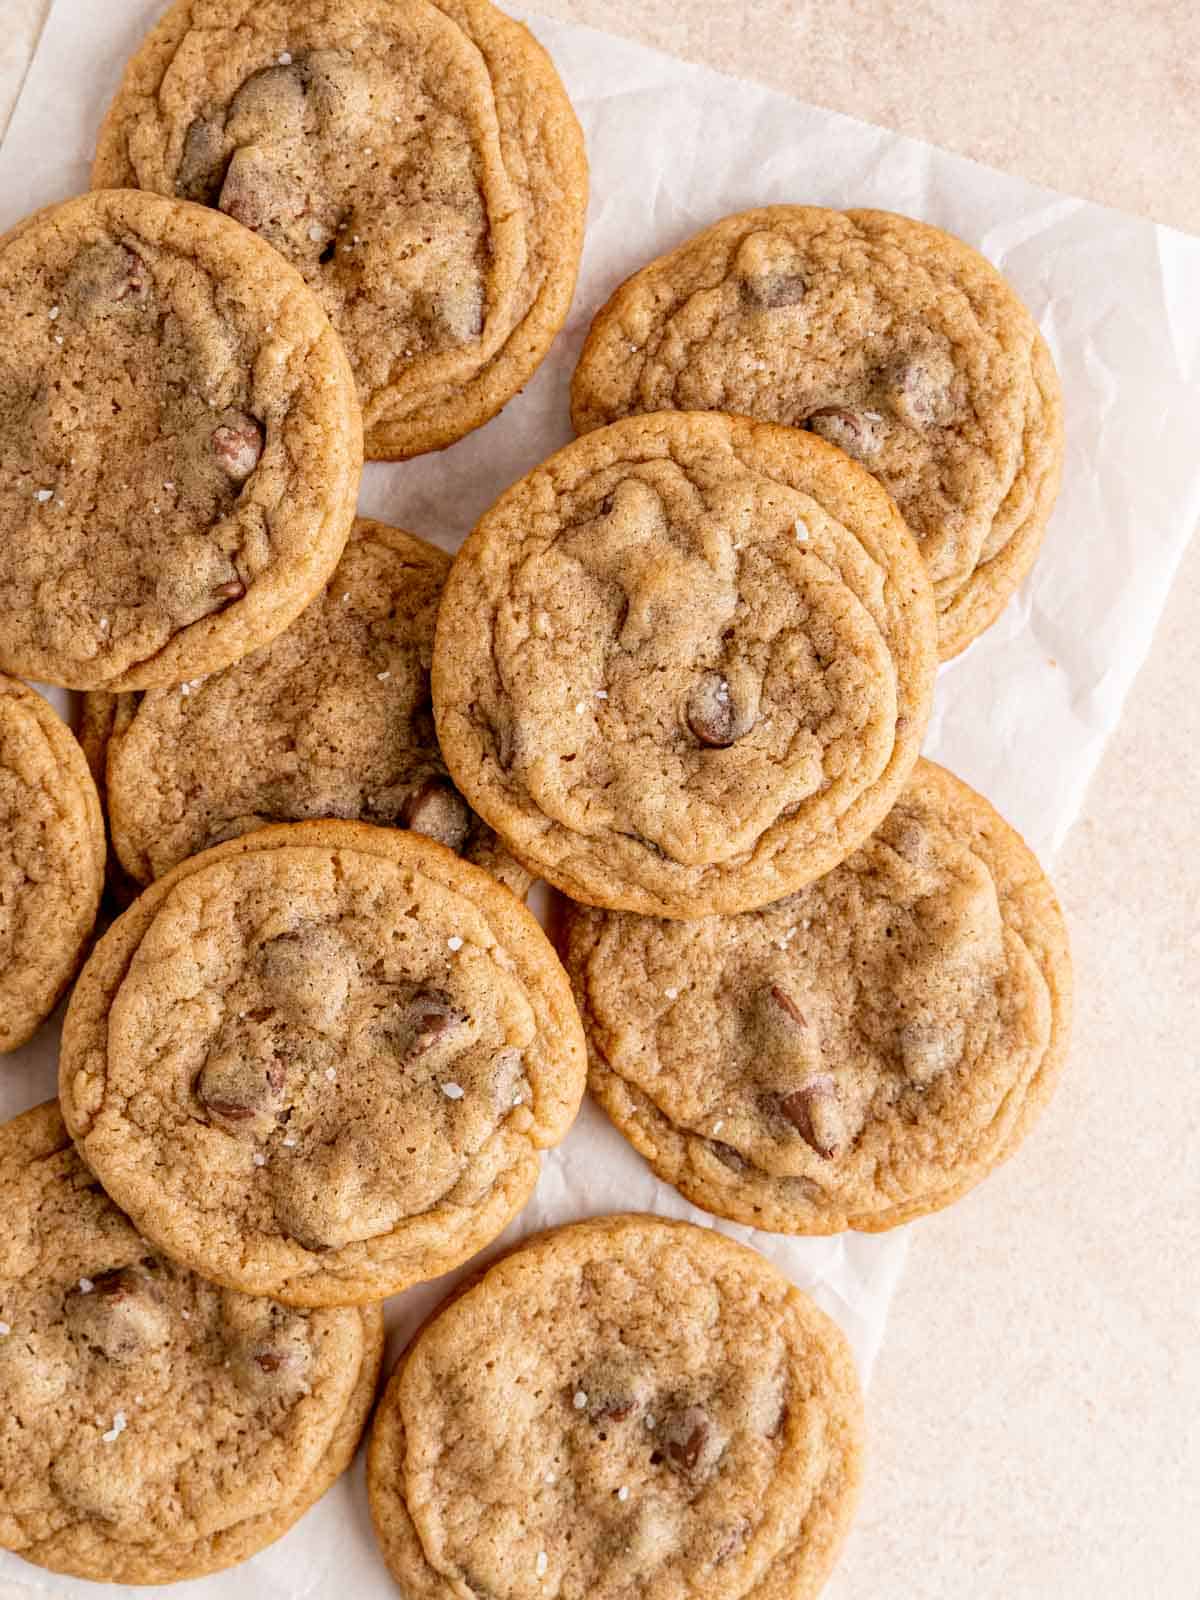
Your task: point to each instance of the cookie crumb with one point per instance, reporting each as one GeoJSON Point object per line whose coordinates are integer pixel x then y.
{"type": "Point", "coordinates": [453, 1091]}
{"type": "Point", "coordinates": [454, 943]}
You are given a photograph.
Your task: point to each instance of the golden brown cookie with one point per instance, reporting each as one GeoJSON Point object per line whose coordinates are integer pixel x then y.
{"type": "Point", "coordinates": [180, 443]}
{"type": "Point", "coordinates": [152, 1426]}
{"type": "Point", "coordinates": [331, 719]}
{"type": "Point", "coordinates": [891, 339]}
{"type": "Point", "coordinates": [854, 1056]}
{"type": "Point", "coordinates": [319, 1062]}
{"type": "Point", "coordinates": [686, 664]}
{"type": "Point", "coordinates": [51, 860]}
{"type": "Point", "coordinates": [417, 160]}
{"type": "Point", "coordinates": [624, 1406]}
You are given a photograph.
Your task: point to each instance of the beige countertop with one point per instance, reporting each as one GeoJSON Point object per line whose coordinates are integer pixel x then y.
{"type": "Point", "coordinates": [1035, 1414]}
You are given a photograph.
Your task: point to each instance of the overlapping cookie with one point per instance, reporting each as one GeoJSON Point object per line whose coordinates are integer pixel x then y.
{"type": "Point", "coordinates": [417, 160]}
{"type": "Point", "coordinates": [320, 1061]}
{"type": "Point", "coordinates": [686, 664]}
{"type": "Point", "coordinates": [891, 339]}
{"type": "Point", "coordinates": [854, 1055]}
{"type": "Point", "coordinates": [331, 719]}
{"type": "Point", "coordinates": [152, 1426]}
{"type": "Point", "coordinates": [180, 443]}
{"type": "Point", "coordinates": [51, 860]}
{"type": "Point", "coordinates": [623, 1406]}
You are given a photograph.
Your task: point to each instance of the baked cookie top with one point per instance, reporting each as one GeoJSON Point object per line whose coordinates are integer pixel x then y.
{"type": "Point", "coordinates": [685, 665]}
{"type": "Point", "coordinates": [417, 160]}
{"type": "Point", "coordinates": [891, 339]}
{"type": "Point", "coordinates": [622, 1406]}
{"type": "Point", "coordinates": [180, 444]}
{"type": "Point", "coordinates": [152, 1426]}
{"type": "Point", "coordinates": [51, 860]}
{"type": "Point", "coordinates": [319, 1061]}
{"type": "Point", "coordinates": [859, 1053]}
{"type": "Point", "coordinates": [331, 719]}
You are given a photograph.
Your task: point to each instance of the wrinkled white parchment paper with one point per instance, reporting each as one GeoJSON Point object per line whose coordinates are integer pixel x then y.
{"type": "Point", "coordinates": [1023, 715]}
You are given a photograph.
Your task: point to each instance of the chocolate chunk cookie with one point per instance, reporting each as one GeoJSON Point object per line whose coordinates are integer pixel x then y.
{"type": "Point", "coordinates": [152, 1426]}
{"type": "Point", "coordinates": [331, 719]}
{"type": "Point", "coordinates": [891, 339]}
{"type": "Point", "coordinates": [854, 1056]}
{"type": "Point", "coordinates": [319, 1061]}
{"type": "Point", "coordinates": [51, 860]}
{"type": "Point", "coordinates": [180, 443]}
{"type": "Point", "coordinates": [624, 1406]}
{"type": "Point", "coordinates": [417, 160]}
{"type": "Point", "coordinates": [686, 664]}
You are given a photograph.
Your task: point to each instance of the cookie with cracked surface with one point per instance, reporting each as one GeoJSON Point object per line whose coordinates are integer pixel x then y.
{"type": "Point", "coordinates": [331, 719]}
{"type": "Point", "coordinates": [859, 1054]}
{"type": "Point", "coordinates": [417, 160]}
{"type": "Point", "coordinates": [180, 443]}
{"type": "Point", "coordinates": [892, 339]}
{"type": "Point", "coordinates": [686, 664]}
{"type": "Point", "coordinates": [51, 860]}
{"type": "Point", "coordinates": [622, 1406]}
{"type": "Point", "coordinates": [320, 1061]}
{"type": "Point", "coordinates": [153, 1426]}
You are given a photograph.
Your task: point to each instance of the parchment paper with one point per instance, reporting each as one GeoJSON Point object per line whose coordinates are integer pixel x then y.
{"type": "Point", "coordinates": [1023, 715]}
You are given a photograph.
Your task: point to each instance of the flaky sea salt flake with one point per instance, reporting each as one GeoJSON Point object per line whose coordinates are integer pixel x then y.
{"type": "Point", "coordinates": [86, 1286]}
{"type": "Point", "coordinates": [453, 1091]}
{"type": "Point", "coordinates": [543, 1561]}
{"type": "Point", "coordinates": [117, 1429]}
{"type": "Point", "coordinates": [580, 1401]}
{"type": "Point", "coordinates": [454, 943]}
{"type": "Point", "coordinates": [42, 495]}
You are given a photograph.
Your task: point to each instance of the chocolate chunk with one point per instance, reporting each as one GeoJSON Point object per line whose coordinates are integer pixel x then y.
{"type": "Point", "coordinates": [238, 1091]}
{"type": "Point", "coordinates": [202, 163]}
{"type": "Point", "coordinates": [120, 1315]}
{"type": "Point", "coordinates": [237, 445]}
{"type": "Point", "coordinates": [716, 713]}
{"type": "Point", "coordinates": [436, 809]}
{"type": "Point", "coordinates": [814, 1110]}
{"type": "Point", "coordinates": [773, 290]}
{"type": "Point", "coordinates": [852, 431]}
{"type": "Point", "coordinates": [432, 1019]}
{"type": "Point", "coordinates": [684, 1435]}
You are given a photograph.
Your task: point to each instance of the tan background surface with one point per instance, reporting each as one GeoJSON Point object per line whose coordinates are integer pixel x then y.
{"type": "Point", "coordinates": [1035, 1416]}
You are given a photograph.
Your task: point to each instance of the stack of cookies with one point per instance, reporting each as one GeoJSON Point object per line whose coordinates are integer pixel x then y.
{"type": "Point", "coordinates": [682, 671]}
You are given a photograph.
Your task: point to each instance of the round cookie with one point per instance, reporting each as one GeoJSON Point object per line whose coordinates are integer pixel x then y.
{"type": "Point", "coordinates": [623, 1406]}
{"type": "Point", "coordinates": [417, 160]}
{"type": "Point", "coordinates": [854, 1056]}
{"type": "Point", "coordinates": [686, 664]}
{"type": "Point", "coordinates": [331, 719]}
{"type": "Point", "coordinates": [319, 1061]}
{"type": "Point", "coordinates": [895, 341]}
{"type": "Point", "coordinates": [51, 860]}
{"type": "Point", "coordinates": [152, 1426]}
{"type": "Point", "coordinates": [180, 443]}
